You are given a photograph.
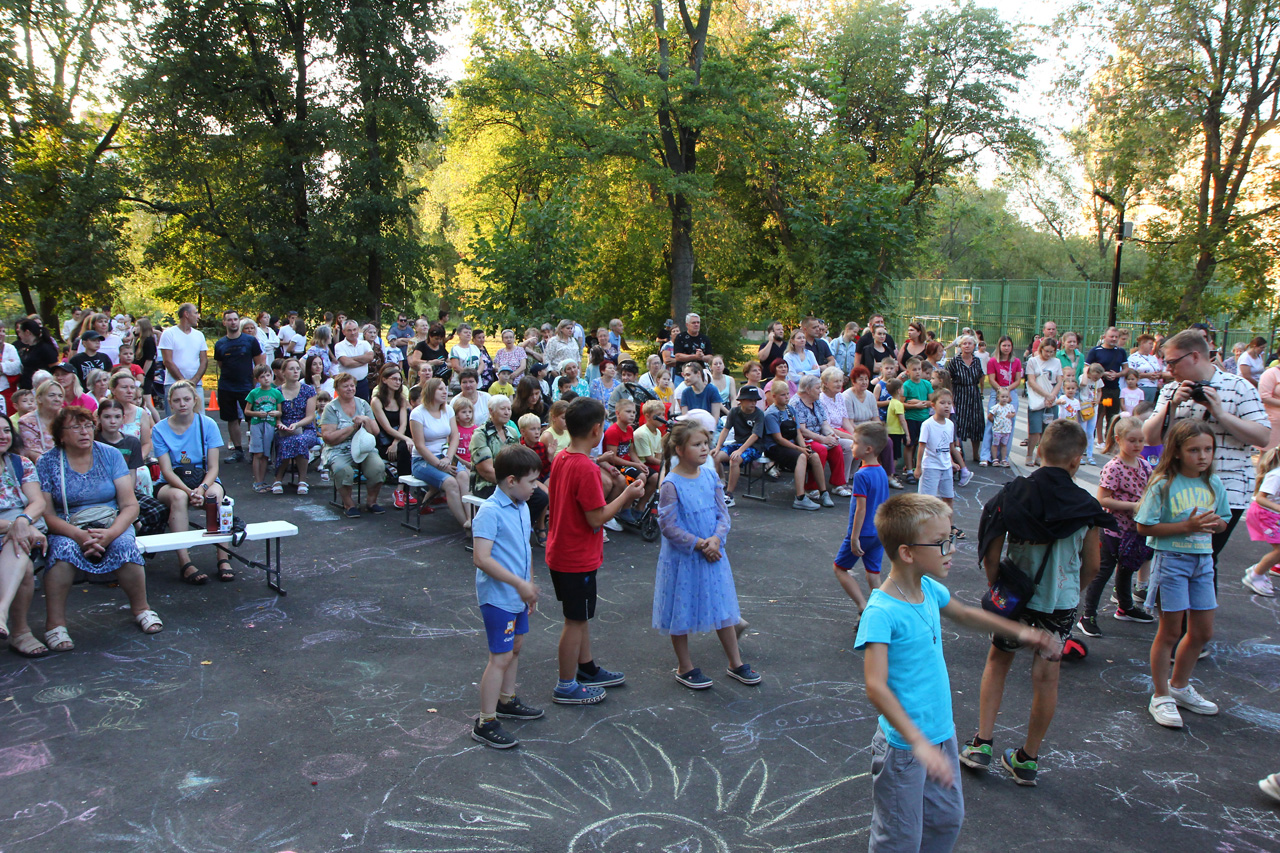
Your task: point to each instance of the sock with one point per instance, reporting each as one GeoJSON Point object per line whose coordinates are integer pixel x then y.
{"type": "Point", "coordinates": [1022, 755]}
{"type": "Point", "coordinates": [982, 741]}
{"type": "Point", "coordinates": [589, 667]}
{"type": "Point", "coordinates": [486, 718]}
{"type": "Point", "coordinates": [562, 685]}
{"type": "Point", "coordinates": [506, 698]}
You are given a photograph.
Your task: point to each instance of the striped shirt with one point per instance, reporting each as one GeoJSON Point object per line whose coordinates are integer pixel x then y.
{"type": "Point", "coordinates": [1233, 461]}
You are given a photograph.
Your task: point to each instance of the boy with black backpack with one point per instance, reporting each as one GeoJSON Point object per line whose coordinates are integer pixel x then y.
{"type": "Point", "coordinates": [1051, 528]}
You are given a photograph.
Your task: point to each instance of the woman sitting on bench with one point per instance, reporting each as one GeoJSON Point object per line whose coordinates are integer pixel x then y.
{"type": "Point", "coordinates": [186, 446]}
{"type": "Point", "coordinates": [21, 519]}
{"type": "Point", "coordinates": [90, 510]}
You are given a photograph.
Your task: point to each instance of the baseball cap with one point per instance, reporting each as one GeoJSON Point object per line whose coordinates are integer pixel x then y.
{"type": "Point", "coordinates": [91, 335]}
{"type": "Point", "coordinates": [505, 369]}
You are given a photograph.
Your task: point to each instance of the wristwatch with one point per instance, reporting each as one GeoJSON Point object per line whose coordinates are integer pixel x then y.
{"type": "Point", "coordinates": [29, 519]}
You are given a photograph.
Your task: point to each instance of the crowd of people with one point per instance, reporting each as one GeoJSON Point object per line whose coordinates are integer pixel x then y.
{"type": "Point", "coordinates": [565, 434]}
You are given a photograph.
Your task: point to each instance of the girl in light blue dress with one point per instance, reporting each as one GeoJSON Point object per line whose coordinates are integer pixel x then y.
{"type": "Point", "coordinates": [693, 590]}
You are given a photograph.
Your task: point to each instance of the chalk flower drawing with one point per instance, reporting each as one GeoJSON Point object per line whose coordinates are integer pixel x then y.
{"type": "Point", "coordinates": [641, 800]}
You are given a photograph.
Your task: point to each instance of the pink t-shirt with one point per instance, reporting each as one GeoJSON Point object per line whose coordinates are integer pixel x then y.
{"type": "Point", "coordinates": [1126, 484]}
{"type": "Point", "coordinates": [1002, 372]}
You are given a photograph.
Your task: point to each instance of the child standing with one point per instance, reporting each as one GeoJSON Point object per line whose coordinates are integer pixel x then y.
{"type": "Point", "coordinates": [915, 399]}
{"type": "Point", "coordinates": [263, 405]}
{"type": "Point", "coordinates": [1088, 395]}
{"type": "Point", "coordinates": [575, 551]}
{"type": "Point", "coordinates": [939, 452]}
{"type": "Point", "coordinates": [693, 590]}
{"type": "Point", "coordinates": [1130, 395]}
{"type": "Point", "coordinates": [917, 802]}
{"type": "Point", "coordinates": [505, 590]}
{"type": "Point", "coordinates": [1001, 416]}
{"type": "Point", "coordinates": [1069, 401]}
{"type": "Point", "coordinates": [1049, 523]}
{"type": "Point", "coordinates": [895, 417]}
{"type": "Point", "coordinates": [1121, 485]}
{"type": "Point", "coordinates": [1263, 520]}
{"type": "Point", "coordinates": [870, 490]}
{"type": "Point", "coordinates": [1184, 506]}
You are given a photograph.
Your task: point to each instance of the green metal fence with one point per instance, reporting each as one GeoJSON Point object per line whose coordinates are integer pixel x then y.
{"type": "Point", "coordinates": [1020, 307]}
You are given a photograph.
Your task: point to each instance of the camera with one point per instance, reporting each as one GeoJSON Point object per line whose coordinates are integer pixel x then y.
{"type": "Point", "coordinates": [1197, 393]}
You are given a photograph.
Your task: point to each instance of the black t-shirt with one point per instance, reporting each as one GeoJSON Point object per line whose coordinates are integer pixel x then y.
{"type": "Point", "coordinates": [42, 355]}
{"type": "Point", "coordinates": [235, 357]}
{"type": "Point", "coordinates": [743, 425]}
{"type": "Point", "coordinates": [687, 344]}
{"type": "Point", "coordinates": [429, 354]}
{"type": "Point", "coordinates": [148, 353]}
{"type": "Point", "coordinates": [865, 341]}
{"type": "Point", "coordinates": [821, 351]}
{"type": "Point", "coordinates": [84, 363]}
{"type": "Point", "coordinates": [130, 448]}
{"type": "Point", "coordinates": [868, 357]}
{"type": "Point", "coordinates": [1111, 359]}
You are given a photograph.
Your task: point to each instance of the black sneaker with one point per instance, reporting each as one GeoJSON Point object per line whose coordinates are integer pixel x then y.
{"type": "Point", "coordinates": [517, 710]}
{"type": "Point", "coordinates": [1088, 626]}
{"type": "Point", "coordinates": [492, 734]}
{"type": "Point", "coordinates": [1134, 614]}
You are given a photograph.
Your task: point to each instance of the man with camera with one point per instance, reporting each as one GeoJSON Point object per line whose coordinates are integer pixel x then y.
{"type": "Point", "coordinates": [1228, 403]}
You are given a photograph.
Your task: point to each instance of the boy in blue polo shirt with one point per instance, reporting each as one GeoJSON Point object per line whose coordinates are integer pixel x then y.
{"type": "Point", "coordinates": [870, 489]}
{"type": "Point", "coordinates": [504, 588]}
{"type": "Point", "coordinates": [917, 803]}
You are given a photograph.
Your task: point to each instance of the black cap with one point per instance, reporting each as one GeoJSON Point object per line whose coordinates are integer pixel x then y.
{"type": "Point", "coordinates": [91, 335]}
{"type": "Point", "coordinates": [537, 365]}
{"type": "Point", "coordinates": [749, 392]}
{"type": "Point", "coordinates": [629, 366]}
{"type": "Point", "coordinates": [63, 365]}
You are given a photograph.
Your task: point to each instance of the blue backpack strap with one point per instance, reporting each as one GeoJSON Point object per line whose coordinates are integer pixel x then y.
{"type": "Point", "coordinates": [15, 462]}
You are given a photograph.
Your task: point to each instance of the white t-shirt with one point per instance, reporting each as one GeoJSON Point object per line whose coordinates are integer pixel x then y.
{"type": "Point", "coordinates": [468, 356]}
{"type": "Point", "coordinates": [481, 405]}
{"type": "Point", "coordinates": [1270, 483]}
{"type": "Point", "coordinates": [1046, 372]}
{"type": "Point", "coordinates": [184, 351]}
{"type": "Point", "coordinates": [292, 342]}
{"type": "Point", "coordinates": [359, 348]}
{"type": "Point", "coordinates": [936, 440]}
{"type": "Point", "coordinates": [435, 431]}
{"type": "Point", "coordinates": [1147, 364]}
{"type": "Point", "coordinates": [1256, 365]}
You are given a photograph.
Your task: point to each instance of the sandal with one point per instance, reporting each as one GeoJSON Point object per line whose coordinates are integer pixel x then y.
{"type": "Point", "coordinates": [303, 488]}
{"type": "Point", "coordinates": [957, 532]}
{"type": "Point", "coordinates": [225, 575]}
{"type": "Point", "coordinates": [196, 578]}
{"type": "Point", "coordinates": [149, 622]}
{"type": "Point", "coordinates": [277, 488]}
{"type": "Point", "coordinates": [27, 645]}
{"type": "Point", "coordinates": [58, 640]}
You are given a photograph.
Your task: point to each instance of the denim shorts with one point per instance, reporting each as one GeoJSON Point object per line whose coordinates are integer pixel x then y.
{"type": "Point", "coordinates": [1036, 419]}
{"type": "Point", "coordinates": [1182, 582]}
{"type": "Point", "coordinates": [429, 474]}
{"type": "Point", "coordinates": [935, 481]}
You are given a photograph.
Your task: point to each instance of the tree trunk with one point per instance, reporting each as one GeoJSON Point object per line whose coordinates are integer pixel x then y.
{"type": "Point", "coordinates": [1188, 306]}
{"type": "Point", "coordinates": [682, 259]}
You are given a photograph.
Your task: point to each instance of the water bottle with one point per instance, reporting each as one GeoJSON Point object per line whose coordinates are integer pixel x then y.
{"type": "Point", "coordinates": [226, 513]}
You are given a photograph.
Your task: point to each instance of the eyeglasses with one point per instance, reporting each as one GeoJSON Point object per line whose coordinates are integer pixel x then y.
{"type": "Point", "coordinates": [1170, 362]}
{"type": "Point", "coordinates": [944, 548]}
{"type": "Point", "coordinates": [82, 426]}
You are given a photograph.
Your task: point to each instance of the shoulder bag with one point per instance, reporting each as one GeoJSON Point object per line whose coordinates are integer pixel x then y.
{"type": "Point", "coordinates": [1012, 589]}
{"type": "Point", "coordinates": [192, 475]}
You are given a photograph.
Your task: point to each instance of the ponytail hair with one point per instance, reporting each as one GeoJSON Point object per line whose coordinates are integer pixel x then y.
{"type": "Point", "coordinates": [1120, 427]}
{"type": "Point", "coordinates": [1267, 462]}
{"type": "Point", "coordinates": [680, 434]}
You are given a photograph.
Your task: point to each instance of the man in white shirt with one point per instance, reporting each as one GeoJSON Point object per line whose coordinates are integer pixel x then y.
{"type": "Point", "coordinates": [184, 352]}
{"type": "Point", "coordinates": [10, 370]}
{"type": "Point", "coordinates": [70, 326]}
{"type": "Point", "coordinates": [354, 355]}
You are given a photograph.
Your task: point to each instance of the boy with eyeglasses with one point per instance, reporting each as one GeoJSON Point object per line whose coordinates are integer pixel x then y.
{"type": "Point", "coordinates": [917, 803]}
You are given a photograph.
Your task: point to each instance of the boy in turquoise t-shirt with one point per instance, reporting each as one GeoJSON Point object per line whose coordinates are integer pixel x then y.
{"type": "Point", "coordinates": [262, 406]}
{"type": "Point", "coordinates": [915, 400]}
{"type": "Point", "coordinates": [915, 768]}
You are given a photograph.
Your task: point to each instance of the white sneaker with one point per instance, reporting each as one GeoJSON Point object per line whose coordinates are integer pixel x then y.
{"type": "Point", "coordinates": [612, 524]}
{"type": "Point", "coordinates": [1164, 710]}
{"type": "Point", "coordinates": [1271, 786]}
{"type": "Point", "coordinates": [803, 502]}
{"type": "Point", "coordinates": [826, 500]}
{"type": "Point", "coordinates": [1260, 584]}
{"type": "Point", "coordinates": [1188, 698]}
{"type": "Point", "coordinates": [965, 476]}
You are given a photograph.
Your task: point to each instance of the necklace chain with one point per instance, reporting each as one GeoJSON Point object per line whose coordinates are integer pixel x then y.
{"type": "Point", "coordinates": [923, 597]}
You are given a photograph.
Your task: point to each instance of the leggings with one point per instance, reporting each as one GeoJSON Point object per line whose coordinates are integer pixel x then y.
{"type": "Point", "coordinates": [1110, 562]}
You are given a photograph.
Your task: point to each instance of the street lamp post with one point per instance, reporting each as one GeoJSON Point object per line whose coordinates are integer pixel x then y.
{"type": "Point", "coordinates": [1123, 232]}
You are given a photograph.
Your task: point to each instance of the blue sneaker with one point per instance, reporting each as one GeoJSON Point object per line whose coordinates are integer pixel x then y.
{"type": "Point", "coordinates": [578, 695]}
{"type": "Point", "coordinates": [602, 678]}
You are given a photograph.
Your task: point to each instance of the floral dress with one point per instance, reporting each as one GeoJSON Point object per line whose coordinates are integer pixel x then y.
{"type": "Point", "coordinates": [95, 488]}
{"type": "Point", "coordinates": [292, 411]}
{"type": "Point", "coordinates": [691, 595]}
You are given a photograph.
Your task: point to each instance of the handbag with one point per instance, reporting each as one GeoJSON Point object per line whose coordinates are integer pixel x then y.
{"type": "Point", "coordinates": [1012, 589]}
{"type": "Point", "coordinates": [192, 475]}
{"type": "Point", "coordinates": [89, 518]}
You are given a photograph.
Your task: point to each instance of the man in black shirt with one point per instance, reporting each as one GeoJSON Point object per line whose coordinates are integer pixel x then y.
{"type": "Point", "coordinates": [746, 424]}
{"type": "Point", "coordinates": [91, 358]}
{"type": "Point", "coordinates": [236, 354]}
{"type": "Point", "coordinates": [814, 343]}
{"type": "Point", "coordinates": [691, 344]}
{"type": "Point", "coordinates": [873, 321]}
{"type": "Point", "coordinates": [1112, 358]}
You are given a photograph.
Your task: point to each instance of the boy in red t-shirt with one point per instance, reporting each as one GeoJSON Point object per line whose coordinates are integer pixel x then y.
{"type": "Point", "coordinates": [575, 551]}
{"type": "Point", "coordinates": [618, 440]}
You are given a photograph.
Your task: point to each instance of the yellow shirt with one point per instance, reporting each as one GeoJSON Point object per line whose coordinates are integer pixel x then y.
{"type": "Point", "coordinates": [893, 423]}
{"type": "Point", "coordinates": [645, 443]}
{"type": "Point", "coordinates": [502, 388]}
{"type": "Point", "coordinates": [552, 439]}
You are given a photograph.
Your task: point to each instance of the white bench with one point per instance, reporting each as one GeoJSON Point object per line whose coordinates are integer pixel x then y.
{"type": "Point", "coordinates": [270, 532]}
{"type": "Point", "coordinates": [472, 505]}
{"type": "Point", "coordinates": [411, 483]}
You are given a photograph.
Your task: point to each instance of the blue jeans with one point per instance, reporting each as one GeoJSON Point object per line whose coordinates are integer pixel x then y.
{"type": "Point", "coordinates": [985, 452]}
